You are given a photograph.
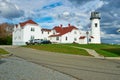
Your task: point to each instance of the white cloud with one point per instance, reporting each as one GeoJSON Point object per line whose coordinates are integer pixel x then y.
{"type": "Point", "coordinates": [67, 12]}
{"type": "Point", "coordinates": [78, 15]}
{"type": "Point", "coordinates": [9, 10]}
{"type": "Point", "coordinates": [76, 12]}
{"type": "Point", "coordinates": [110, 36]}
{"type": "Point", "coordinates": [91, 6]}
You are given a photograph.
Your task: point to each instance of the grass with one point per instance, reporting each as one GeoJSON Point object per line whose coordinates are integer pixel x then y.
{"type": "Point", "coordinates": [2, 51]}
{"type": "Point", "coordinates": [103, 49]}
{"type": "Point", "coordinates": [59, 48]}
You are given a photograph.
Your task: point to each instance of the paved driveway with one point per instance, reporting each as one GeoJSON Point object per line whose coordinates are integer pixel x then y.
{"type": "Point", "coordinates": [83, 68]}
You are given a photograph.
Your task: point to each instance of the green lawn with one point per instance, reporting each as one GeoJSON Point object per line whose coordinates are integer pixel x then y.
{"type": "Point", "coordinates": [59, 48]}
{"type": "Point", "coordinates": [2, 51]}
{"type": "Point", "coordinates": [103, 49]}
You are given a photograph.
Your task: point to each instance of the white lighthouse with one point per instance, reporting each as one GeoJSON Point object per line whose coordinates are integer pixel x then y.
{"type": "Point", "coordinates": [95, 28]}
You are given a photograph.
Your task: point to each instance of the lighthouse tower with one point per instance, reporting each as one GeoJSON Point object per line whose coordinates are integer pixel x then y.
{"type": "Point", "coordinates": [95, 28]}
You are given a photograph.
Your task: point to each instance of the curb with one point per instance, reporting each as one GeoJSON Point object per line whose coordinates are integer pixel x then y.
{"type": "Point", "coordinates": [108, 58]}
{"type": "Point", "coordinates": [5, 56]}
{"type": "Point", "coordinates": [116, 58]}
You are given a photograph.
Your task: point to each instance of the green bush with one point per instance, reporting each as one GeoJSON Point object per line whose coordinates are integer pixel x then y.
{"type": "Point", "coordinates": [6, 40]}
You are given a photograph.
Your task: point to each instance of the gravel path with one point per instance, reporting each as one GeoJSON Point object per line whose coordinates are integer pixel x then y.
{"type": "Point", "coordinates": [14, 68]}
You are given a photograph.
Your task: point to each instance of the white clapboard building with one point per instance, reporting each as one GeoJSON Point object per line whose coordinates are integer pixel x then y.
{"type": "Point", "coordinates": [25, 31]}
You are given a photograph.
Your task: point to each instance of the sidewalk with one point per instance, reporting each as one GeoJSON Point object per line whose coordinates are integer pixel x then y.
{"type": "Point", "coordinates": [95, 54]}
{"type": "Point", "coordinates": [90, 51]}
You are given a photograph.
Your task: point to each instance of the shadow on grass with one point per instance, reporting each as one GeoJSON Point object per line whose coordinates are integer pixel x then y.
{"type": "Point", "coordinates": [113, 50]}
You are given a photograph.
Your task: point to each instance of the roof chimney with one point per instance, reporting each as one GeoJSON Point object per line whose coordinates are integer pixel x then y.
{"type": "Point", "coordinates": [61, 25]}
{"type": "Point", "coordinates": [69, 25]}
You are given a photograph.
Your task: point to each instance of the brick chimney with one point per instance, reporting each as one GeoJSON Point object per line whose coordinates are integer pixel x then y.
{"type": "Point", "coordinates": [61, 25]}
{"type": "Point", "coordinates": [69, 25]}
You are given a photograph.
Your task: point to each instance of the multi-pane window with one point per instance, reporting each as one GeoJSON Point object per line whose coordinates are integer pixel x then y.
{"type": "Point", "coordinates": [32, 29]}
{"type": "Point", "coordinates": [75, 39]}
{"type": "Point", "coordinates": [32, 37]}
{"type": "Point", "coordinates": [75, 32]}
{"type": "Point", "coordinates": [57, 38]}
{"type": "Point", "coordinates": [42, 32]}
{"type": "Point", "coordinates": [66, 38]}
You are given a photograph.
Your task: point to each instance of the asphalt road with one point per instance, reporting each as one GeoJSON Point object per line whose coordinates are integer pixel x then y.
{"type": "Point", "coordinates": [80, 67]}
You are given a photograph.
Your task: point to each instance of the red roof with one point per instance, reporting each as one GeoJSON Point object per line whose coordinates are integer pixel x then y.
{"type": "Point", "coordinates": [48, 30]}
{"type": "Point", "coordinates": [55, 35]}
{"type": "Point", "coordinates": [82, 37]}
{"type": "Point", "coordinates": [91, 37]}
{"type": "Point", "coordinates": [62, 30]}
{"type": "Point", "coordinates": [27, 22]}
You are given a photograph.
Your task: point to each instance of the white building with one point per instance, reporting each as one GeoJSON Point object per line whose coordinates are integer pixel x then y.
{"type": "Point", "coordinates": [46, 33]}
{"type": "Point", "coordinates": [95, 28]}
{"type": "Point", "coordinates": [69, 34]}
{"type": "Point", "coordinates": [23, 32]}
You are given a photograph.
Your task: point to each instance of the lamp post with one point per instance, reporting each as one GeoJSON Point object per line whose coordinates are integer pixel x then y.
{"type": "Point", "coordinates": [87, 37]}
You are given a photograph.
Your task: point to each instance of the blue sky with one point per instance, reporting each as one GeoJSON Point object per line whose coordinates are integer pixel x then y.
{"type": "Point", "coordinates": [49, 13]}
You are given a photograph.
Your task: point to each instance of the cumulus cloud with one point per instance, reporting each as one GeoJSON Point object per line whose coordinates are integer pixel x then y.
{"type": "Point", "coordinates": [55, 12]}
{"type": "Point", "coordinates": [87, 5]}
{"type": "Point", "coordinates": [110, 23]}
{"type": "Point", "coordinates": [9, 10]}
{"type": "Point", "coordinates": [110, 12]}
{"type": "Point", "coordinates": [65, 10]}
{"type": "Point", "coordinates": [77, 12]}
{"type": "Point", "coordinates": [110, 38]}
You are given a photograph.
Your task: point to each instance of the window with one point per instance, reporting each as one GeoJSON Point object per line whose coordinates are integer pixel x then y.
{"type": "Point", "coordinates": [66, 38]}
{"type": "Point", "coordinates": [32, 37]}
{"type": "Point", "coordinates": [42, 32]}
{"type": "Point", "coordinates": [75, 39]}
{"type": "Point", "coordinates": [53, 31]}
{"type": "Point", "coordinates": [89, 40]}
{"type": "Point", "coordinates": [57, 38]}
{"type": "Point", "coordinates": [32, 29]}
{"type": "Point", "coordinates": [75, 32]}
{"type": "Point", "coordinates": [96, 25]}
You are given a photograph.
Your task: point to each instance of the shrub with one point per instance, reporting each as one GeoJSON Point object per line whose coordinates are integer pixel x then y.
{"type": "Point", "coordinates": [6, 40]}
